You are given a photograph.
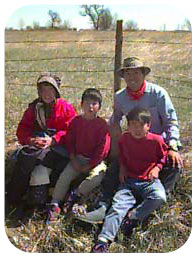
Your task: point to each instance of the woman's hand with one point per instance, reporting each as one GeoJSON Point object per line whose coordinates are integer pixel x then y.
{"type": "Point", "coordinates": [41, 142]}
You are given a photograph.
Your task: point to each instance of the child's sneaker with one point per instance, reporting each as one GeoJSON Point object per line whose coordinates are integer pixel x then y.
{"type": "Point", "coordinates": [94, 217]}
{"type": "Point", "coordinates": [53, 212]}
{"type": "Point", "coordinates": [100, 247]}
{"type": "Point", "coordinates": [78, 210]}
{"type": "Point", "coordinates": [72, 199]}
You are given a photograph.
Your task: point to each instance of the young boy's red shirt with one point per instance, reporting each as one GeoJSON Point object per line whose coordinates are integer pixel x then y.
{"type": "Point", "coordinates": [61, 115]}
{"type": "Point", "coordinates": [90, 138]}
{"type": "Point", "coordinates": [139, 156]}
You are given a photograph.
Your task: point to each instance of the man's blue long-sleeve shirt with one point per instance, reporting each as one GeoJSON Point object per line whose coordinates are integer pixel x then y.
{"type": "Point", "coordinates": [158, 102]}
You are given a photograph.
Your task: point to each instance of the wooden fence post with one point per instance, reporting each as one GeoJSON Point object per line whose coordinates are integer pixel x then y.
{"type": "Point", "coordinates": [118, 54]}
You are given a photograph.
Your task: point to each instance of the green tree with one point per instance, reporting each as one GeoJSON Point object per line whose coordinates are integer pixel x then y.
{"type": "Point", "coordinates": [131, 25]}
{"type": "Point", "coordinates": [187, 25]}
{"type": "Point", "coordinates": [105, 20]}
{"type": "Point", "coordinates": [66, 24]}
{"type": "Point", "coordinates": [36, 25]}
{"type": "Point", "coordinates": [55, 18]}
{"type": "Point", "coordinates": [114, 21]}
{"type": "Point", "coordinates": [94, 13]}
{"type": "Point", "coordinates": [21, 24]}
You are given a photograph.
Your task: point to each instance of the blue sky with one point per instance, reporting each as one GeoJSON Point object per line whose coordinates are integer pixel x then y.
{"type": "Point", "coordinates": [152, 15]}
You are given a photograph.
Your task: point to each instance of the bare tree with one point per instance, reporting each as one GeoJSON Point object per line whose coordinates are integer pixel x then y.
{"type": "Point", "coordinates": [94, 12]}
{"type": "Point", "coordinates": [55, 18]}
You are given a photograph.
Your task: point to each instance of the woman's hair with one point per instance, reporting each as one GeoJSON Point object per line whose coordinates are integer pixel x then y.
{"type": "Point", "coordinates": [139, 114]}
{"type": "Point", "coordinates": [92, 93]}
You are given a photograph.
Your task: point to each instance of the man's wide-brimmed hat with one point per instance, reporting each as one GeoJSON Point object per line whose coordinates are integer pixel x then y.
{"type": "Point", "coordinates": [133, 63]}
{"type": "Point", "coordinates": [52, 80]}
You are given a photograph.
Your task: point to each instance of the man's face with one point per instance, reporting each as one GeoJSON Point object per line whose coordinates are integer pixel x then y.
{"type": "Point", "coordinates": [134, 78]}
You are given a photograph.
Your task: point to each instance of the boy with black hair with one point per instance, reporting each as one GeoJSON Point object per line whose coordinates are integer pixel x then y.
{"type": "Point", "coordinates": [88, 144]}
{"type": "Point", "coordinates": [141, 157]}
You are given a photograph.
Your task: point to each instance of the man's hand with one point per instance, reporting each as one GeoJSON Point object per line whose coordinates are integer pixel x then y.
{"type": "Point", "coordinates": [174, 158]}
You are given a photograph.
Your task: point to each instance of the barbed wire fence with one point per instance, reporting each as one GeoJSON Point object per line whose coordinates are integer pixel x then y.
{"type": "Point", "coordinates": [179, 98]}
{"type": "Point", "coordinates": [7, 72]}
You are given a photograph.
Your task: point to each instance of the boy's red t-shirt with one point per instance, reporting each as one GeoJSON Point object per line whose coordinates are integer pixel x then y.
{"type": "Point", "coordinates": [90, 138]}
{"type": "Point", "coordinates": [139, 156]}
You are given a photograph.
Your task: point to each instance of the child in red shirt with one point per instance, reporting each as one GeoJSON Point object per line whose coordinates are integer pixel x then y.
{"type": "Point", "coordinates": [88, 144]}
{"type": "Point", "coordinates": [141, 157]}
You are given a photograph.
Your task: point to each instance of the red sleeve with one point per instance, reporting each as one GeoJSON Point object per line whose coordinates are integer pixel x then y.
{"type": "Point", "coordinates": [162, 149]}
{"type": "Point", "coordinates": [103, 146]}
{"type": "Point", "coordinates": [68, 113]}
{"type": "Point", "coordinates": [71, 137]}
{"type": "Point", "coordinates": [122, 160]}
{"type": "Point", "coordinates": [26, 126]}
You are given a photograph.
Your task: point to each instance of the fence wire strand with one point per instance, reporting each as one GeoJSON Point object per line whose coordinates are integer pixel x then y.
{"type": "Point", "coordinates": [96, 41]}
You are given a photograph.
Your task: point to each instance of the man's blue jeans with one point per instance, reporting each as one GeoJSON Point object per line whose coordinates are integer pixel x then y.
{"type": "Point", "coordinates": [152, 193]}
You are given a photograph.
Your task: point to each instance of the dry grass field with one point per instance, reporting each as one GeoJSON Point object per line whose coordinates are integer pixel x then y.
{"type": "Point", "coordinates": [86, 59]}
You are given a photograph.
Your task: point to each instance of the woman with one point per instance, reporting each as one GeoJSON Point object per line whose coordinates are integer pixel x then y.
{"type": "Point", "coordinates": [42, 132]}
